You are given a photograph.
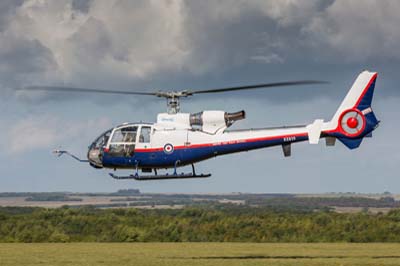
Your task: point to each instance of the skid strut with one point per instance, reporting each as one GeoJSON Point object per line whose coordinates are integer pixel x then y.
{"type": "Point", "coordinates": [156, 176]}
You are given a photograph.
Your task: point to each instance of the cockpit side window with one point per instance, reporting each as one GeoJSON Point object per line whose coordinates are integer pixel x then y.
{"type": "Point", "coordinates": [144, 136]}
{"type": "Point", "coordinates": [125, 135]}
{"type": "Point", "coordinates": [95, 152]}
{"type": "Point", "coordinates": [123, 141]}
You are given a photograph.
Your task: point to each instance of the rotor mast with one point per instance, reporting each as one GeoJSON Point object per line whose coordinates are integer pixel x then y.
{"type": "Point", "coordinates": [173, 105]}
{"type": "Point", "coordinates": [173, 97]}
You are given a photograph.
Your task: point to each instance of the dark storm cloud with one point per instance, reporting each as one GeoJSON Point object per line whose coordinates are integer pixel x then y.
{"type": "Point", "coordinates": [7, 9]}
{"type": "Point", "coordinates": [81, 5]}
{"type": "Point", "coordinates": [196, 44]}
{"type": "Point", "coordinates": [90, 44]}
{"type": "Point", "coordinates": [237, 33]}
{"type": "Point", "coordinates": [23, 60]}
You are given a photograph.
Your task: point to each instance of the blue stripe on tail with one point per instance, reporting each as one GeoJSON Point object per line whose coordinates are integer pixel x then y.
{"type": "Point", "coordinates": [366, 100]}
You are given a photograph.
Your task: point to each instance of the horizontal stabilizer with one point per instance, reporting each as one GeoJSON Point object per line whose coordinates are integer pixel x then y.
{"type": "Point", "coordinates": [287, 151]}
{"type": "Point", "coordinates": [330, 141]}
{"type": "Point", "coordinates": [314, 131]}
{"type": "Point", "coordinates": [351, 143]}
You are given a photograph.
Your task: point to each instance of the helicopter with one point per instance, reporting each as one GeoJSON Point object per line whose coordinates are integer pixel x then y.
{"type": "Point", "coordinates": [179, 139]}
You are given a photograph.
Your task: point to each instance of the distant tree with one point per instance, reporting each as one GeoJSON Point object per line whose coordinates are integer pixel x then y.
{"type": "Point", "coordinates": [58, 237]}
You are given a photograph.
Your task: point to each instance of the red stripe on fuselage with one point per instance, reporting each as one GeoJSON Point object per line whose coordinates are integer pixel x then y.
{"type": "Point", "coordinates": [221, 143]}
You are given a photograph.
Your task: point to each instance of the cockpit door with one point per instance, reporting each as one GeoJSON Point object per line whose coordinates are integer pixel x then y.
{"type": "Point", "coordinates": [144, 138]}
{"type": "Point", "coordinates": [123, 141]}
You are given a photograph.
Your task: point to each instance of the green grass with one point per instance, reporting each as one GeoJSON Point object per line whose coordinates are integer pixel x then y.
{"type": "Point", "coordinates": [176, 254]}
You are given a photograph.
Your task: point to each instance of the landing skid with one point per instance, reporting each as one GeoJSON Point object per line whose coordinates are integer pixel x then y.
{"type": "Point", "coordinates": [159, 177]}
{"type": "Point", "coordinates": [136, 176]}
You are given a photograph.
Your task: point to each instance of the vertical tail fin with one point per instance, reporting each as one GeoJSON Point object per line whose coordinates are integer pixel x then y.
{"type": "Point", "coordinates": [355, 119]}
{"type": "Point", "coordinates": [360, 95]}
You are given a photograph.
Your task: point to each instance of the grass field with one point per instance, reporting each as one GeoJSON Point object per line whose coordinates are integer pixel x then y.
{"type": "Point", "coordinates": [176, 254]}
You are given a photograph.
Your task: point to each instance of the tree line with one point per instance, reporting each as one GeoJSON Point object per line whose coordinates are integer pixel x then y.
{"type": "Point", "coordinates": [200, 224]}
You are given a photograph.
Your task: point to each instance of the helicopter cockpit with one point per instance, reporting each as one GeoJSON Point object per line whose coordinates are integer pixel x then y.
{"type": "Point", "coordinates": [118, 142]}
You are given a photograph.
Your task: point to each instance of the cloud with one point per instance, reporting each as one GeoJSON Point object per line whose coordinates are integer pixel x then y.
{"type": "Point", "coordinates": [7, 10]}
{"type": "Point", "coordinates": [119, 43]}
{"type": "Point", "coordinates": [24, 60]}
{"type": "Point", "coordinates": [47, 132]}
{"type": "Point", "coordinates": [30, 134]}
{"type": "Point", "coordinates": [272, 58]}
{"type": "Point", "coordinates": [81, 5]}
{"type": "Point", "coordinates": [105, 40]}
{"type": "Point", "coordinates": [357, 30]}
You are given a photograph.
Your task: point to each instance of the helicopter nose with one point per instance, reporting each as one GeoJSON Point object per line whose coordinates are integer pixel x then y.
{"type": "Point", "coordinates": [94, 157]}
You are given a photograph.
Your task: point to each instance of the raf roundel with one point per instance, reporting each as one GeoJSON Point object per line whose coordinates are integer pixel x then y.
{"type": "Point", "coordinates": [168, 148]}
{"type": "Point", "coordinates": [352, 122]}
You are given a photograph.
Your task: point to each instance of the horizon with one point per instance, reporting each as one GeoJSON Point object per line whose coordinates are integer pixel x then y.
{"type": "Point", "coordinates": [205, 193]}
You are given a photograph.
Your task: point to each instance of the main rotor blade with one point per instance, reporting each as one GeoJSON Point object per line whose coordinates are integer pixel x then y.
{"type": "Point", "coordinates": [170, 94]}
{"type": "Point", "coordinates": [257, 86]}
{"type": "Point", "coordinates": [71, 89]}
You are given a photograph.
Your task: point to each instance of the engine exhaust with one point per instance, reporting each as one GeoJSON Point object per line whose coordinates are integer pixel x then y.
{"type": "Point", "coordinates": [232, 117]}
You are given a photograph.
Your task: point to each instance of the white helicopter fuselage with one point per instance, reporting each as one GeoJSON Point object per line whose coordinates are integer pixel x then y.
{"type": "Point", "coordinates": [181, 138]}
{"type": "Point", "coordinates": [176, 141]}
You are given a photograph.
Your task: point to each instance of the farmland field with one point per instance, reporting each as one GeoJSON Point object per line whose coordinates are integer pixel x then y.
{"type": "Point", "coordinates": [77, 254]}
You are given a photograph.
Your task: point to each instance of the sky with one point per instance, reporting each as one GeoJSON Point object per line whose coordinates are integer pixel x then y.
{"type": "Point", "coordinates": [148, 45]}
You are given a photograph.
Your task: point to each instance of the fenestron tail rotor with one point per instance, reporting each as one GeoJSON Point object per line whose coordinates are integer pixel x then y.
{"type": "Point", "coordinates": [171, 96]}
